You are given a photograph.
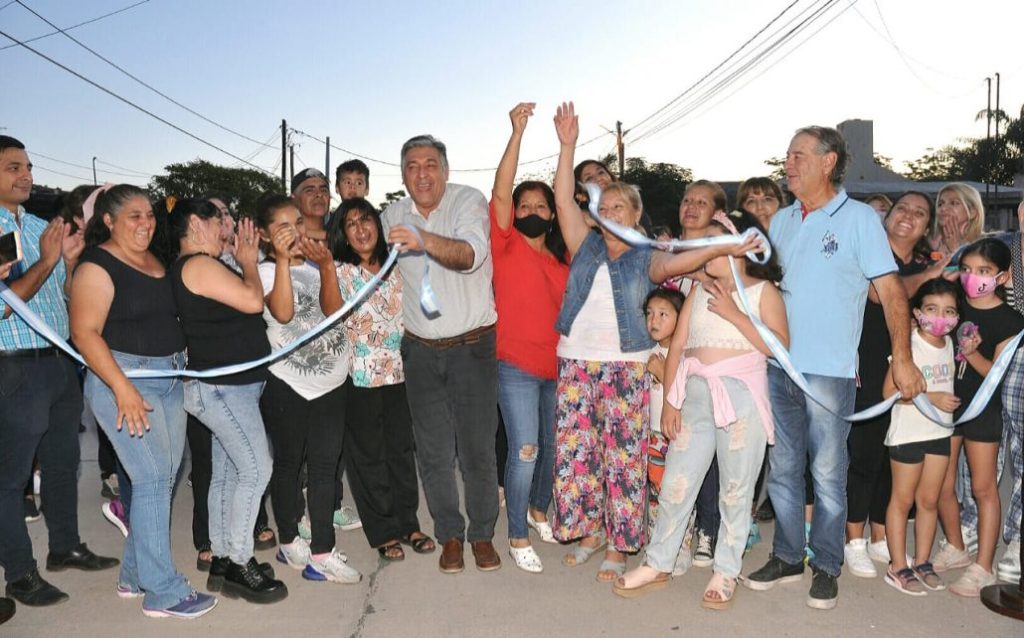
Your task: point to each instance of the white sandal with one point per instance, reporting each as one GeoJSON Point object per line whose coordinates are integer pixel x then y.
{"type": "Point", "coordinates": [526, 559]}
{"type": "Point", "coordinates": [543, 528]}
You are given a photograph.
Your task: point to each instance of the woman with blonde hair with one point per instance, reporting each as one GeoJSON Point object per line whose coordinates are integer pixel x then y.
{"type": "Point", "coordinates": [961, 217]}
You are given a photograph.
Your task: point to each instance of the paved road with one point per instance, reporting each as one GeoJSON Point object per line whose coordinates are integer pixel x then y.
{"type": "Point", "coordinates": [412, 598]}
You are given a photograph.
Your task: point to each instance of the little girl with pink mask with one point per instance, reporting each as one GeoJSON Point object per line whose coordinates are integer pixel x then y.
{"type": "Point", "coordinates": [919, 447]}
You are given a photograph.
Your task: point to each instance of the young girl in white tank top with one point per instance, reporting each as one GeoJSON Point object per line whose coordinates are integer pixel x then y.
{"type": "Point", "coordinates": [716, 402]}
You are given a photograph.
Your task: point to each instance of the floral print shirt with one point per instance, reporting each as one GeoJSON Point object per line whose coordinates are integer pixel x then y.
{"type": "Point", "coordinates": [375, 328]}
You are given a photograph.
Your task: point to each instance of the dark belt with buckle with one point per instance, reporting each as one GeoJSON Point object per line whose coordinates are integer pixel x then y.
{"type": "Point", "coordinates": [451, 342]}
{"type": "Point", "coordinates": [30, 353]}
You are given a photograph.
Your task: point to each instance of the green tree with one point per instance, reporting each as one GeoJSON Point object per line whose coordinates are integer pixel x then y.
{"type": "Point", "coordinates": [777, 166]}
{"type": "Point", "coordinates": [391, 198]}
{"type": "Point", "coordinates": [976, 159]}
{"type": "Point", "coordinates": [240, 187]}
{"type": "Point", "coordinates": [661, 187]}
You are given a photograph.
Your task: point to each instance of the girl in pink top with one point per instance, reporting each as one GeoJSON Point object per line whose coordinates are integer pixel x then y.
{"type": "Point", "coordinates": [716, 402]}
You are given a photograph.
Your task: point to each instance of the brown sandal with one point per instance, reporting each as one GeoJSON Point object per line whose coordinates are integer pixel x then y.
{"type": "Point", "coordinates": [391, 552]}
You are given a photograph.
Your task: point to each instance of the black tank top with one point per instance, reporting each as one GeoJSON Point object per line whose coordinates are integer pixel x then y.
{"type": "Point", "coordinates": [142, 319]}
{"type": "Point", "coordinates": [217, 334]}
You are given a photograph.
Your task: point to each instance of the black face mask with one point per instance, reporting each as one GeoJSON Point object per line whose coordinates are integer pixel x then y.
{"type": "Point", "coordinates": [532, 225]}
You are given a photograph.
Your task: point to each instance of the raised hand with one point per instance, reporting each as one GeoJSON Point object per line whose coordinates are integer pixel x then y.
{"type": "Point", "coordinates": [282, 241]}
{"type": "Point", "coordinates": [246, 248]}
{"type": "Point", "coordinates": [316, 251]}
{"type": "Point", "coordinates": [567, 124]}
{"type": "Point", "coordinates": [51, 242]}
{"type": "Point", "coordinates": [520, 114]}
{"type": "Point", "coordinates": [72, 244]}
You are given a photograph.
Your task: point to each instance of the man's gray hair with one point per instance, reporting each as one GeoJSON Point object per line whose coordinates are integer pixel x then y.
{"type": "Point", "coordinates": [426, 141]}
{"type": "Point", "coordinates": [830, 141]}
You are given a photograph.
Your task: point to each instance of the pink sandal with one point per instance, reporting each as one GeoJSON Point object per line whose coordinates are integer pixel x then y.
{"type": "Point", "coordinates": [724, 587]}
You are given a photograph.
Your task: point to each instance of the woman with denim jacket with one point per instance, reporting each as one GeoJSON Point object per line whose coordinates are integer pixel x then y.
{"type": "Point", "coordinates": [602, 414]}
{"type": "Point", "coordinates": [123, 317]}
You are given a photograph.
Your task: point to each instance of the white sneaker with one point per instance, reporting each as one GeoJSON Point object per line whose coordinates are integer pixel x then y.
{"type": "Point", "coordinates": [704, 555]}
{"type": "Point", "coordinates": [333, 568]}
{"type": "Point", "coordinates": [878, 552]}
{"type": "Point", "coordinates": [526, 559]}
{"type": "Point", "coordinates": [949, 557]}
{"type": "Point", "coordinates": [1008, 568]}
{"type": "Point", "coordinates": [857, 559]}
{"type": "Point", "coordinates": [971, 582]}
{"type": "Point", "coordinates": [543, 529]}
{"type": "Point", "coordinates": [294, 554]}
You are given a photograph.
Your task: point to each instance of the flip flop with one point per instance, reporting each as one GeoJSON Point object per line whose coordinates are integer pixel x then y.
{"type": "Point", "coordinates": [581, 554]}
{"type": "Point", "coordinates": [659, 581]}
{"type": "Point", "coordinates": [724, 586]}
{"type": "Point", "coordinates": [422, 545]}
{"type": "Point", "coordinates": [390, 547]}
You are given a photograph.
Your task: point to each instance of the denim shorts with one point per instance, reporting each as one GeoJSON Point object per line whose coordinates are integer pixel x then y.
{"type": "Point", "coordinates": [914, 452]}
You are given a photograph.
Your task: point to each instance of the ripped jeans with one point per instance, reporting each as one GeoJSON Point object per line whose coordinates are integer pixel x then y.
{"type": "Point", "coordinates": [740, 449]}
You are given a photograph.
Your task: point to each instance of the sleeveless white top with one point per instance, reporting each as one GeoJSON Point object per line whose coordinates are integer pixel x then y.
{"type": "Point", "coordinates": [708, 330]}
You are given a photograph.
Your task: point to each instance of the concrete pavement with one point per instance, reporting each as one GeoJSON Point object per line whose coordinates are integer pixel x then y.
{"type": "Point", "coordinates": [412, 598]}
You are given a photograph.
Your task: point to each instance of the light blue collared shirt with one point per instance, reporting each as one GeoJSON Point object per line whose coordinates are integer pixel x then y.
{"type": "Point", "coordinates": [828, 260]}
{"type": "Point", "coordinates": [48, 303]}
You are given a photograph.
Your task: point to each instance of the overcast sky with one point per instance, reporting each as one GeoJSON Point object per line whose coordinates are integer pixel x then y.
{"type": "Point", "coordinates": [372, 74]}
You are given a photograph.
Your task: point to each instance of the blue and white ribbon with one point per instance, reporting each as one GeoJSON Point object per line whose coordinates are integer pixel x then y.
{"type": "Point", "coordinates": [36, 322]}
{"type": "Point", "coordinates": [428, 300]}
{"type": "Point", "coordinates": [782, 358]}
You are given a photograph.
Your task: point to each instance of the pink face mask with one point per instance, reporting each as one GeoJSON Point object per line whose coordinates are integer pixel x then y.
{"type": "Point", "coordinates": [978, 285]}
{"type": "Point", "coordinates": [937, 326]}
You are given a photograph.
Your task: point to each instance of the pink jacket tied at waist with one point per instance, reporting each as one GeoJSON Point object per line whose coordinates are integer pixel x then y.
{"type": "Point", "coordinates": [751, 369]}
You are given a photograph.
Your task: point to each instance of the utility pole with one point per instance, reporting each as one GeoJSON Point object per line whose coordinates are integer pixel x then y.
{"type": "Point", "coordinates": [94, 181]}
{"type": "Point", "coordinates": [291, 152]}
{"type": "Point", "coordinates": [996, 147]}
{"type": "Point", "coordinates": [327, 159]}
{"type": "Point", "coordinates": [988, 139]}
{"type": "Point", "coordinates": [284, 155]}
{"type": "Point", "coordinates": [621, 148]}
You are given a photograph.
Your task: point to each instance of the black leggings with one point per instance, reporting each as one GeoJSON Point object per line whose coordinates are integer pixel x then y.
{"type": "Point", "coordinates": [299, 430]}
{"type": "Point", "coordinates": [869, 480]}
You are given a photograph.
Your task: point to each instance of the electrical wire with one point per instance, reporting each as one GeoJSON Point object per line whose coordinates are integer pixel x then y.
{"type": "Point", "coordinates": [89, 168]}
{"type": "Point", "coordinates": [130, 103]}
{"type": "Point", "coordinates": [74, 26]}
{"type": "Point", "coordinates": [710, 92]}
{"type": "Point", "coordinates": [137, 79]}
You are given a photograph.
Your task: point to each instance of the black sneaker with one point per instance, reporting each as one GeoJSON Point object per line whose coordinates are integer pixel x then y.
{"type": "Point", "coordinates": [249, 582]}
{"type": "Point", "coordinates": [31, 510]}
{"type": "Point", "coordinates": [218, 568]}
{"type": "Point", "coordinates": [774, 571]}
{"type": "Point", "coordinates": [33, 591]}
{"type": "Point", "coordinates": [765, 512]}
{"type": "Point", "coordinates": [824, 590]}
{"type": "Point", "coordinates": [6, 610]}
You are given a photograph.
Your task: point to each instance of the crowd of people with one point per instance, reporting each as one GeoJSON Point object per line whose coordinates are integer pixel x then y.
{"type": "Point", "coordinates": [639, 388]}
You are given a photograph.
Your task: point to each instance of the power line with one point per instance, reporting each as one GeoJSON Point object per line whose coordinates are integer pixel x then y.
{"type": "Point", "coordinates": [130, 103]}
{"type": "Point", "coordinates": [453, 170]}
{"type": "Point", "coordinates": [735, 69]}
{"type": "Point", "coordinates": [739, 88]}
{"type": "Point", "coordinates": [720, 65]}
{"type": "Point", "coordinates": [760, 56]}
{"type": "Point", "coordinates": [137, 79]}
{"type": "Point", "coordinates": [89, 168]}
{"type": "Point", "coordinates": [74, 26]}
{"type": "Point", "coordinates": [131, 170]}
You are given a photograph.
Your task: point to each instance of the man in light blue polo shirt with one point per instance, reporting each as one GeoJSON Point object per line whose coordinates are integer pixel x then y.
{"type": "Point", "coordinates": [831, 248]}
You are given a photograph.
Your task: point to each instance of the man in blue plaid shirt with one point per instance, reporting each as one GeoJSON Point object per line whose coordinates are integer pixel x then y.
{"type": "Point", "coordinates": [40, 398]}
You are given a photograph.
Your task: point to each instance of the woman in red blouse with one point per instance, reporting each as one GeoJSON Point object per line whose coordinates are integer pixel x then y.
{"type": "Point", "coordinates": [530, 273]}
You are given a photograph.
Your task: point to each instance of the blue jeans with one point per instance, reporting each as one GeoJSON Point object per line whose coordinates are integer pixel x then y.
{"type": "Point", "coordinates": [241, 462]}
{"type": "Point", "coordinates": [802, 428]}
{"type": "Point", "coordinates": [151, 462]}
{"type": "Point", "coordinates": [528, 407]}
{"type": "Point", "coordinates": [739, 450]}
